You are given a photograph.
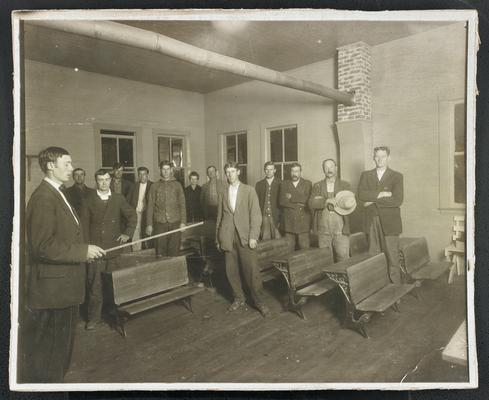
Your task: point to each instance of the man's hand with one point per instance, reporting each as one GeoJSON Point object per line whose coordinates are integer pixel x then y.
{"type": "Point", "coordinates": [330, 204]}
{"type": "Point", "coordinates": [122, 238]}
{"type": "Point", "coordinates": [182, 225]}
{"type": "Point", "coordinates": [149, 230]}
{"type": "Point", "coordinates": [384, 194]}
{"type": "Point", "coordinates": [94, 252]}
{"type": "Point", "coordinates": [253, 243]}
{"type": "Point", "coordinates": [288, 196]}
{"type": "Point", "coordinates": [368, 203]}
{"type": "Point", "coordinates": [218, 246]}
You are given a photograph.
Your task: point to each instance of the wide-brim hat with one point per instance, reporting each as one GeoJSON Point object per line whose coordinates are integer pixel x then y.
{"type": "Point", "coordinates": [345, 202]}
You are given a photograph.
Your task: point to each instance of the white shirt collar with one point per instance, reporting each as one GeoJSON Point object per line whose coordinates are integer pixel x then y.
{"type": "Point", "coordinates": [381, 172]}
{"type": "Point", "coordinates": [57, 186]}
{"type": "Point", "coordinates": [144, 184]}
{"type": "Point", "coordinates": [104, 196]}
{"type": "Point", "coordinates": [295, 183]}
{"type": "Point", "coordinates": [270, 180]}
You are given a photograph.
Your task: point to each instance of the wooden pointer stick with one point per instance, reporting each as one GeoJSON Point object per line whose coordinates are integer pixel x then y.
{"type": "Point", "coordinates": [154, 237]}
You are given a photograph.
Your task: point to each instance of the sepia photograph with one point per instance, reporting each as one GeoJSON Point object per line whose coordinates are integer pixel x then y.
{"type": "Point", "coordinates": [243, 200]}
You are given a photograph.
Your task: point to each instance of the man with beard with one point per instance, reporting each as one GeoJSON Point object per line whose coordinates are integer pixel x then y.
{"type": "Point", "coordinates": [294, 194]}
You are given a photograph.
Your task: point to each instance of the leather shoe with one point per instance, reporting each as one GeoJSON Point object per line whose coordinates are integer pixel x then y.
{"type": "Point", "coordinates": [236, 305]}
{"type": "Point", "coordinates": [92, 325]}
{"type": "Point", "coordinates": [264, 310]}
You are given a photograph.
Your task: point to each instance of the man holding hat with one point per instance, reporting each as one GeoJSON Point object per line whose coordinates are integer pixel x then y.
{"type": "Point", "coordinates": [331, 201]}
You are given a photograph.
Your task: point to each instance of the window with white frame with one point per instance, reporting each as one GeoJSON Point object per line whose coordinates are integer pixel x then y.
{"type": "Point", "coordinates": [170, 148]}
{"type": "Point", "coordinates": [118, 146]}
{"type": "Point", "coordinates": [236, 150]}
{"type": "Point", "coordinates": [452, 130]}
{"type": "Point", "coordinates": [283, 149]}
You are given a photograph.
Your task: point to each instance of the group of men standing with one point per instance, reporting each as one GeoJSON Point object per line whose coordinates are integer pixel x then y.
{"type": "Point", "coordinates": [67, 228]}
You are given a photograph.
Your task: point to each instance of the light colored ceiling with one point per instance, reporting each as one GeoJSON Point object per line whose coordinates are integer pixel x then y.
{"type": "Point", "coordinates": [279, 45]}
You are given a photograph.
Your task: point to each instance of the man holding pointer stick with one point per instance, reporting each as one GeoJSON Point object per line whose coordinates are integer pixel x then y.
{"type": "Point", "coordinates": [56, 279]}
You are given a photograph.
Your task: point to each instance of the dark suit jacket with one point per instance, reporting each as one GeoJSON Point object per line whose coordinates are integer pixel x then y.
{"type": "Point", "coordinates": [296, 216]}
{"type": "Point", "coordinates": [75, 195]}
{"type": "Point", "coordinates": [261, 191]}
{"type": "Point", "coordinates": [387, 207]}
{"type": "Point", "coordinates": [192, 202]}
{"type": "Point", "coordinates": [320, 189]}
{"type": "Point", "coordinates": [56, 251]}
{"type": "Point", "coordinates": [132, 199]}
{"type": "Point", "coordinates": [102, 224]}
{"type": "Point", "coordinates": [126, 187]}
{"type": "Point", "coordinates": [246, 218]}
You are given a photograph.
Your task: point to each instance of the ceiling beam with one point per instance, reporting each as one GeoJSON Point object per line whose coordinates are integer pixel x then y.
{"type": "Point", "coordinates": [140, 38]}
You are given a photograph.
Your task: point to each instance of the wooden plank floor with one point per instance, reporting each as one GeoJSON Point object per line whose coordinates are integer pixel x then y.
{"type": "Point", "coordinates": [170, 344]}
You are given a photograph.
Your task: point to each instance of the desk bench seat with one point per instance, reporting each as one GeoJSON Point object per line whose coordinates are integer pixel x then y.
{"type": "Point", "coordinates": [303, 272]}
{"type": "Point", "coordinates": [267, 251]}
{"type": "Point", "coordinates": [415, 261]}
{"type": "Point", "coordinates": [370, 290]}
{"type": "Point", "coordinates": [148, 284]}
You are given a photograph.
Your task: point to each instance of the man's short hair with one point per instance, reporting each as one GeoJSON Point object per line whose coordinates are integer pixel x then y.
{"type": "Point", "coordinates": [50, 154]}
{"type": "Point", "coordinates": [141, 169]}
{"type": "Point", "coordinates": [117, 165]}
{"type": "Point", "coordinates": [382, 148]}
{"type": "Point", "coordinates": [211, 166]}
{"type": "Point", "coordinates": [296, 164]}
{"type": "Point", "coordinates": [101, 172]}
{"type": "Point", "coordinates": [329, 159]}
{"type": "Point", "coordinates": [193, 173]}
{"type": "Point", "coordinates": [268, 163]}
{"type": "Point", "coordinates": [231, 164]}
{"type": "Point", "coordinates": [78, 169]}
{"type": "Point", "coordinates": [166, 162]}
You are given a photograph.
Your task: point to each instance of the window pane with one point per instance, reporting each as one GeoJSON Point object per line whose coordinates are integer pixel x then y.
{"type": "Point", "coordinates": [276, 145]}
{"type": "Point", "coordinates": [126, 153]}
{"type": "Point", "coordinates": [109, 152]}
{"type": "Point", "coordinates": [177, 152]}
{"type": "Point", "coordinates": [279, 172]}
{"type": "Point", "coordinates": [243, 176]}
{"type": "Point", "coordinates": [242, 149]}
{"type": "Point", "coordinates": [287, 168]}
{"type": "Point", "coordinates": [459, 179]}
{"type": "Point", "coordinates": [163, 149]}
{"type": "Point", "coordinates": [230, 148]}
{"type": "Point", "coordinates": [459, 125]}
{"type": "Point", "coordinates": [290, 139]}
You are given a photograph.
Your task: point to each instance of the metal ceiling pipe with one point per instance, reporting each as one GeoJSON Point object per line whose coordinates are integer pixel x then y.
{"type": "Point", "coordinates": [136, 37]}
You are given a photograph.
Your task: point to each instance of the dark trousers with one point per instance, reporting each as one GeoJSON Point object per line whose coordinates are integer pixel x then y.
{"type": "Point", "coordinates": [169, 245]}
{"type": "Point", "coordinates": [389, 244]}
{"type": "Point", "coordinates": [247, 258]}
{"type": "Point", "coordinates": [48, 337]}
{"type": "Point", "coordinates": [301, 239]}
{"type": "Point", "coordinates": [94, 285]}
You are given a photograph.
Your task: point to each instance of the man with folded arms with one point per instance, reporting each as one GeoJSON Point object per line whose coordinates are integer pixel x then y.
{"type": "Point", "coordinates": [382, 191]}
{"type": "Point", "coordinates": [56, 280]}
{"type": "Point", "coordinates": [332, 228]}
{"type": "Point", "coordinates": [237, 230]}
